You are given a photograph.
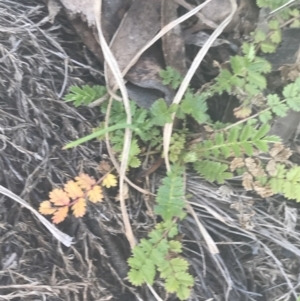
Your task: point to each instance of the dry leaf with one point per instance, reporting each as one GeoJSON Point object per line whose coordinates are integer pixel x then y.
{"type": "Point", "coordinates": [236, 163]}
{"type": "Point", "coordinates": [109, 181]}
{"type": "Point", "coordinates": [59, 197]}
{"type": "Point", "coordinates": [85, 181]}
{"type": "Point", "coordinates": [73, 190]}
{"type": "Point", "coordinates": [95, 194]}
{"type": "Point", "coordinates": [289, 72]}
{"type": "Point", "coordinates": [254, 168]}
{"type": "Point", "coordinates": [284, 154]}
{"type": "Point", "coordinates": [60, 215]}
{"type": "Point", "coordinates": [250, 163]}
{"type": "Point", "coordinates": [172, 42]}
{"type": "Point", "coordinates": [247, 181]}
{"type": "Point", "coordinates": [46, 208]}
{"type": "Point", "coordinates": [263, 191]}
{"type": "Point", "coordinates": [242, 112]}
{"type": "Point", "coordinates": [246, 213]}
{"type": "Point", "coordinates": [280, 153]}
{"type": "Point", "coordinates": [246, 221]}
{"type": "Point", "coordinates": [79, 208]}
{"type": "Point", "coordinates": [104, 167]}
{"type": "Point", "coordinates": [276, 149]}
{"type": "Point", "coordinates": [258, 100]}
{"type": "Point", "coordinates": [140, 24]}
{"type": "Point", "coordinates": [271, 168]}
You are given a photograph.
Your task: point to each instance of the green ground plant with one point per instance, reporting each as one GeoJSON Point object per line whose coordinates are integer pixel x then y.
{"type": "Point", "coordinates": [219, 153]}
{"type": "Point", "coordinates": [268, 39]}
{"type": "Point", "coordinates": [227, 151]}
{"type": "Point", "coordinates": [160, 252]}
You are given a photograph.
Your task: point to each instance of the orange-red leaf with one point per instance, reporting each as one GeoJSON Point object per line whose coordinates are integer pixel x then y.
{"type": "Point", "coordinates": [73, 190]}
{"type": "Point", "coordinates": [60, 215]}
{"type": "Point", "coordinates": [59, 197]}
{"type": "Point", "coordinates": [79, 208]}
{"type": "Point", "coordinates": [95, 194]}
{"type": "Point", "coordinates": [85, 181]}
{"type": "Point", "coordinates": [46, 208]}
{"type": "Point", "coordinates": [109, 181]}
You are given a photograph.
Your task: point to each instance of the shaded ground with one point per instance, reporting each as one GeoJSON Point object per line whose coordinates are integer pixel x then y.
{"type": "Point", "coordinates": [258, 240]}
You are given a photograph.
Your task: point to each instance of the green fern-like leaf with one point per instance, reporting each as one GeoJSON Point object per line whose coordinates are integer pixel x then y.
{"type": "Point", "coordinates": [144, 130]}
{"type": "Point", "coordinates": [260, 65]}
{"type": "Point", "coordinates": [177, 145]}
{"type": "Point", "coordinates": [278, 107]}
{"type": "Point", "coordinates": [213, 171]}
{"type": "Point", "coordinates": [190, 156]}
{"type": "Point", "coordinates": [158, 252]}
{"type": "Point", "coordinates": [84, 95]}
{"type": "Point", "coordinates": [136, 277]}
{"type": "Point", "coordinates": [178, 280]}
{"type": "Point", "coordinates": [268, 47]}
{"type": "Point", "coordinates": [238, 141]}
{"type": "Point", "coordinates": [196, 106]}
{"type": "Point", "coordinates": [259, 36]}
{"type": "Point", "coordinates": [286, 182]}
{"type": "Point", "coordinates": [175, 246]}
{"type": "Point", "coordinates": [170, 196]}
{"type": "Point", "coordinates": [142, 267]}
{"type": "Point", "coordinates": [292, 94]}
{"type": "Point", "coordinates": [172, 229]}
{"type": "Point", "coordinates": [117, 113]}
{"type": "Point", "coordinates": [171, 77]}
{"type": "Point", "coordinates": [249, 51]}
{"type": "Point", "coordinates": [161, 113]}
{"type": "Point", "coordinates": [239, 64]}
{"type": "Point", "coordinates": [247, 75]}
{"type": "Point", "coordinates": [223, 82]}
{"type": "Point", "coordinates": [257, 80]}
{"type": "Point", "coordinates": [265, 117]}
{"type": "Point", "coordinates": [133, 160]}
{"type": "Point", "coordinates": [156, 255]}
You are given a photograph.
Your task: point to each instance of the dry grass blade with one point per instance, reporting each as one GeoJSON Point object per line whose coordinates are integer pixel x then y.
{"type": "Point", "coordinates": [184, 85]}
{"type": "Point", "coordinates": [111, 62]}
{"type": "Point", "coordinates": [60, 236]}
{"type": "Point", "coordinates": [209, 241]}
{"type": "Point", "coordinates": [199, 15]}
{"type": "Point", "coordinates": [282, 7]}
{"type": "Point", "coordinates": [269, 246]}
{"type": "Point", "coordinates": [154, 293]}
{"type": "Point", "coordinates": [213, 249]}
